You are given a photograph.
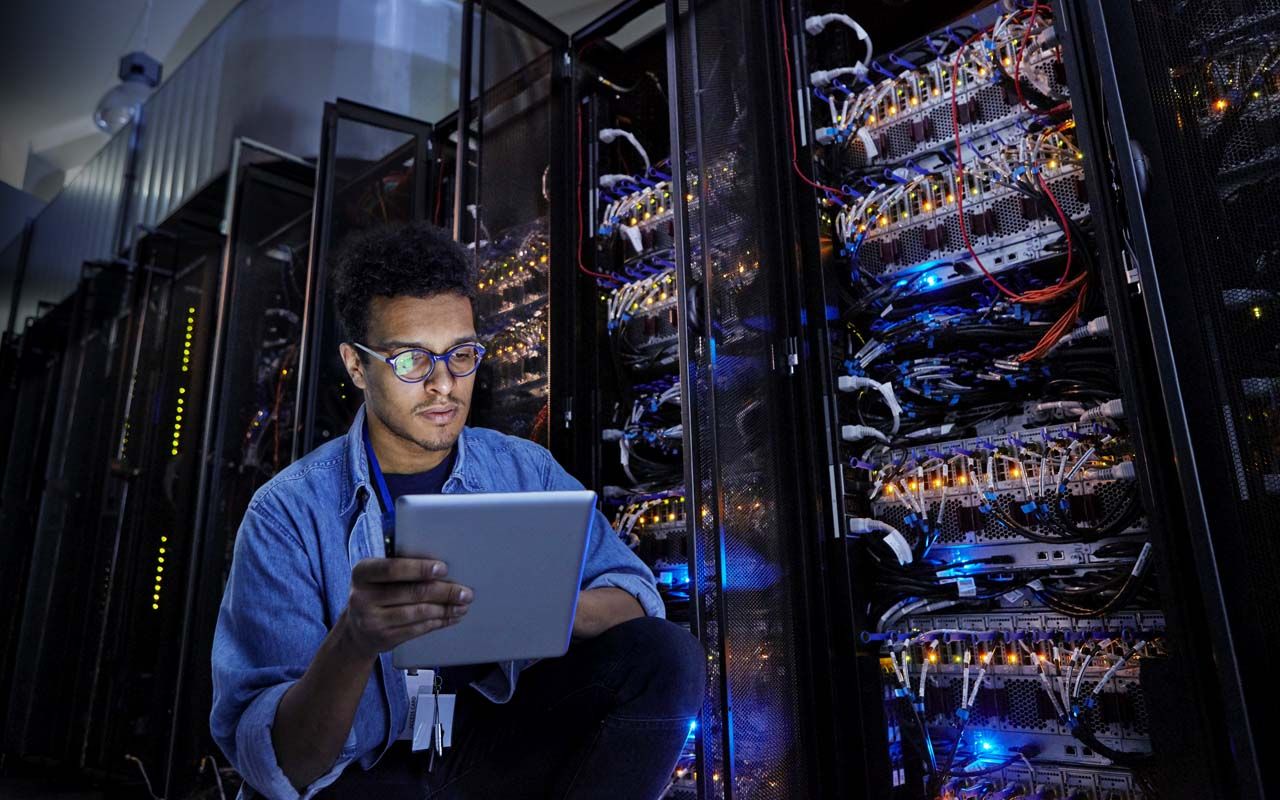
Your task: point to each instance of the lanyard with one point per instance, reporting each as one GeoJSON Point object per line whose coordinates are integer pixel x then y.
{"type": "Point", "coordinates": [384, 494]}
{"type": "Point", "coordinates": [389, 539]}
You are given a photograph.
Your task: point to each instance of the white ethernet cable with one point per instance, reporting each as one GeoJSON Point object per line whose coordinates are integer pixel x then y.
{"type": "Point", "coordinates": [816, 24]}
{"type": "Point", "coordinates": [609, 135]}
{"type": "Point", "coordinates": [853, 383]}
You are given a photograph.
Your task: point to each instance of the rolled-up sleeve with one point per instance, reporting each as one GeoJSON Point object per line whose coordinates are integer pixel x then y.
{"type": "Point", "coordinates": [270, 625]}
{"type": "Point", "coordinates": [609, 561]}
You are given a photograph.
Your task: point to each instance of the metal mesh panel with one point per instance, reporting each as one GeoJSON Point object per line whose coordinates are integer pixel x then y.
{"type": "Point", "coordinates": [744, 542]}
{"type": "Point", "coordinates": [1213, 74]}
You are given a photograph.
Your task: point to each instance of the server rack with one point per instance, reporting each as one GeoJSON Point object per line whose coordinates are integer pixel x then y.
{"type": "Point", "coordinates": [1122, 111]}
{"type": "Point", "coordinates": [693, 270]}
{"type": "Point", "coordinates": [373, 169]}
{"type": "Point", "coordinates": [32, 384]}
{"type": "Point", "coordinates": [155, 459]}
{"type": "Point", "coordinates": [249, 414]}
{"type": "Point", "coordinates": [62, 606]}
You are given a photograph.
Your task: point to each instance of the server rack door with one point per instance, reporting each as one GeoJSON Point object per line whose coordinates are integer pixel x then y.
{"type": "Point", "coordinates": [158, 454]}
{"type": "Point", "coordinates": [745, 456]}
{"type": "Point", "coordinates": [626, 402]}
{"type": "Point", "coordinates": [1191, 94]}
{"type": "Point", "coordinates": [372, 170]}
{"type": "Point", "coordinates": [57, 650]}
{"type": "Point", "coordinates": [35, 380]}
{"type": "Point", "coordinates": [508, 228]}
{"type": "Point", "coordinates": [249, 425]}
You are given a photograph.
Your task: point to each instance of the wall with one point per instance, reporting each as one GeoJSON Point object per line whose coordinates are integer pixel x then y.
{"type": "Point", "coordinates": [265, 73]}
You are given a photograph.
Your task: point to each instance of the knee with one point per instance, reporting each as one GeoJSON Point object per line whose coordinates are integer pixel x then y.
{"type": "Point", "coordinates": [670, 663]}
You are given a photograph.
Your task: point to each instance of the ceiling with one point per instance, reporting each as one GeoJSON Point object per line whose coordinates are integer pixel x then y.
{"type": "Point", "coordinates": [60, 57]}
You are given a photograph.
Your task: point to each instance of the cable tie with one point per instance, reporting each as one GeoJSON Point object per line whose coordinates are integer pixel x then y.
{"type": "Point", "coordinates": [902, 62]}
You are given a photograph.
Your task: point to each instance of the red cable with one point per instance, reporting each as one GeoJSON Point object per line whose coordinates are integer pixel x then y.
{"type": "Point", "coordinates": [1017, 64]}
{"type": "Point", "coordinates": [791, 124]}
{"type": "Point", "coordinates": [581, 232]}
{"type": "Point", "coordinates": [1064, 285]}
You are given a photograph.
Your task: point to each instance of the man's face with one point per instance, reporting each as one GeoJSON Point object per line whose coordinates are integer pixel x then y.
{"type": "Point", "coordinates": [431, 413]}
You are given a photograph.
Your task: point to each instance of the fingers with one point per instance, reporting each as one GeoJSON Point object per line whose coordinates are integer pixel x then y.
{"type": "Point", "coordinates": [399, 594]}
{"type": "Point", "coordinates": [397, 616]}
{"type": "Point", "coordinates": [397, 570]}
{"type": "Point", "coordinates": [406, 632]}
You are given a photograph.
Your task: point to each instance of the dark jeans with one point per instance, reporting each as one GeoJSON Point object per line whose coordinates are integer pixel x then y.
{"type": "Point", "coordinates": [606, 720]}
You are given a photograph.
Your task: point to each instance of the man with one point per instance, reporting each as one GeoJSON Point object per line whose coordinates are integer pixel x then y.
{"type": "Point", "coordinates": [305, 698]}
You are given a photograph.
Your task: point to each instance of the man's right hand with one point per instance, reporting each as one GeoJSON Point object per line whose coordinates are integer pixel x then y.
{"type": "Point", "coordinates": [394, 600]}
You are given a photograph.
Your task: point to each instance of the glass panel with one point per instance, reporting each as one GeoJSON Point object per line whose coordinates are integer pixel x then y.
{"type": "Point", "coordinates": [376, 179]}
{"type": "Point", "coordinates": [257, 380]}
{"type": "Point", "coordinates": [510, 240]}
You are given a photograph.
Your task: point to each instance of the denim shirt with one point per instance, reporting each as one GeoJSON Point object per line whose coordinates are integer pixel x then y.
{"type": "Point", "coordinates": [291, 576]}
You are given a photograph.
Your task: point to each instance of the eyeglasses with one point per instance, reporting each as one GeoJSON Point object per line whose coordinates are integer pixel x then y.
{"type": "Point", "coordinates": [415, 365]}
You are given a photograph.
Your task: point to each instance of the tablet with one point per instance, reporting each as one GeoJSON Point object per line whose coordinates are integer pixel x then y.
{"type": "Point", "coordinates": [523, 554]}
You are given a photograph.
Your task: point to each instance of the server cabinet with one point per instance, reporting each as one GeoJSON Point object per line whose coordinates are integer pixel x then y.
{"type": "Point", "coordinates": [248, 419]}
{"type": "Point", "coordinates": [62, 607]}
{"type": "Point", "coordinates": [372, 170]}
{"type": "Point", "coordinates": [33, 385]}
{"type": "Point", "coordinates": [156, 460]}
{"type": "Point", "coordinates": [1014, 567]}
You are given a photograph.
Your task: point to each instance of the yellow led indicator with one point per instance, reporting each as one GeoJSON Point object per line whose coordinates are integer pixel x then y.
{"type": "Point", "coordinates": [1257, 312]}
{"type": "Point", "coordinates": [1221, 104]}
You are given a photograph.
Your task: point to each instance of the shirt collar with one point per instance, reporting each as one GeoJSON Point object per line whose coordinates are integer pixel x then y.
{"type": "Point", "coordinates": [358, 480]}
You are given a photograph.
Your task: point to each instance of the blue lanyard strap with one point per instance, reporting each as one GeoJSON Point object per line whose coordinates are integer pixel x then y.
{"type": "Point", "coordinates": [388, 507]}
